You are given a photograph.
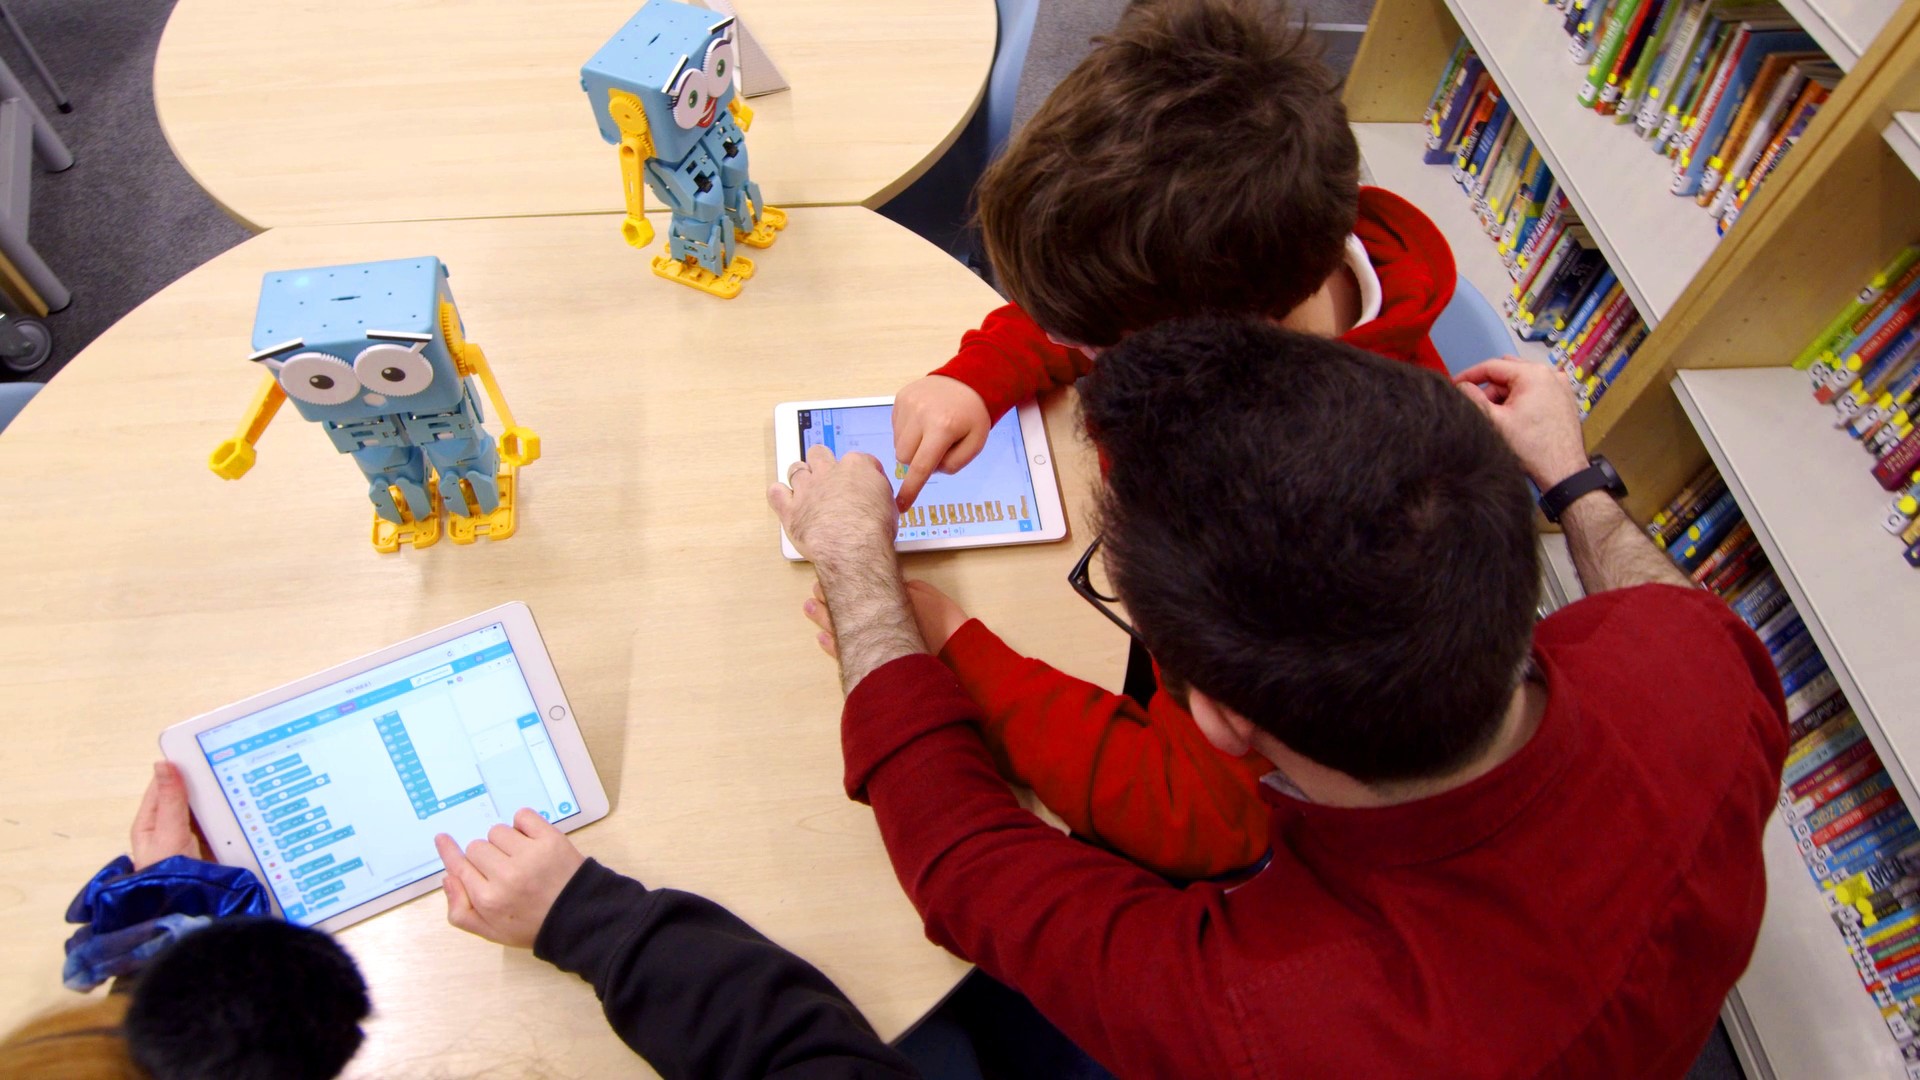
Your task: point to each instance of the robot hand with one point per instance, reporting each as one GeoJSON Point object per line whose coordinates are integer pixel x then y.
{"type": "Point", "coordinates": [638, 231]}
{"type": "Point", "coordinates": [232, 459]}
{"type": "Point", "coordinates": [518, 446]}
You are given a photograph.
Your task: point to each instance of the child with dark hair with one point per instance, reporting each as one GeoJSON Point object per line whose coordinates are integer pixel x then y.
{"type": "Point", "coordinates": [228, 995]}
{"type": "Point", "coordinates": [1198, 161]}
{"type": "Point", "coordinates": [248, 998]}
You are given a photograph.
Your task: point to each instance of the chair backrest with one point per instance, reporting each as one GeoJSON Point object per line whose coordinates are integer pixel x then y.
{"type": "Point", "coordinates": [1009, 59]}
{"type": "Point", "coordinates": [1469, 330]}
{"type": "Point", "coordinates": [14, 397]}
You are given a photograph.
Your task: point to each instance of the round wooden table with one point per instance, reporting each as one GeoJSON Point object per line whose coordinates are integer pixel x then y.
{"type": "Point", "coordinates": [345, 111]}
{"type": "Point", "coordinates": [139, 590]}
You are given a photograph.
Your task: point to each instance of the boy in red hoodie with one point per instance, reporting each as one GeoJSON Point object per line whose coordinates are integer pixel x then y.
{"type": "Point", "coordinates": [1199, 160]}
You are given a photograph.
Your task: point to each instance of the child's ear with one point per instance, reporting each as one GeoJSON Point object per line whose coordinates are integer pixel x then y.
{"type": "Point", "coordinates": [1228, 731]}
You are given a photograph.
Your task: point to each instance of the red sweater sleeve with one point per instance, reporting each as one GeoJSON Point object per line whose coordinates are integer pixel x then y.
{"type": "Point", "coordinates": [1110, 953]}
{"type": "Point", "coordinates": [1010, 359]}
{"type": "Point", "coordinates": [1144, 782]}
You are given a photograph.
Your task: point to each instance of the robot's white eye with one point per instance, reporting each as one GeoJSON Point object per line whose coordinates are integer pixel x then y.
{"type": "Point", "coordinates": [393, 370]}
{"type": "Point", "coordinates": [721, 64]}
{"type": "Point", "coordinates": [319, 379]}
{"type": "Point", "coordinates": [692, 104]}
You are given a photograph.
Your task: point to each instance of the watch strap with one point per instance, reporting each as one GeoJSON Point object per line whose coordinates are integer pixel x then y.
{"type": "Point", "coordinates": [1597, 476]}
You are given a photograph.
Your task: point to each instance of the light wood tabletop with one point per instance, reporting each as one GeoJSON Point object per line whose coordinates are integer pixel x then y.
{"type": "Point", "coordinates": [137, 590]}
{"type": "Point", "coordinates": [307, 112]}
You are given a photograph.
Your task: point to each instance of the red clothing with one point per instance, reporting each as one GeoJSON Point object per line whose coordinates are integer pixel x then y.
{"type": "Point", "coordinates": [1143, 781]}
{"type": "Point", "coordinates": [1009, 359]}
{"type": "Point", "coordinates": [1580, 910]}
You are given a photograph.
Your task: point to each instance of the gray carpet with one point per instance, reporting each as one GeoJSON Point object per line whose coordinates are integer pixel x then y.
{"type": "Point", "coordinates": [126, 219]}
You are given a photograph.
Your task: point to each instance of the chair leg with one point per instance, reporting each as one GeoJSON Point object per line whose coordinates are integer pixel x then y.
{"type": "Point", "coordinates": [33, 56]}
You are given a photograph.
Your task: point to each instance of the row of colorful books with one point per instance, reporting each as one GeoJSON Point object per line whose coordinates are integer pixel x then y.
{"type": "Point", "coordinates": [1860, 842]}
{"type": "Point", "coordinates": [1865, 364]}
{"type": "Point", "coordinates": [1563, 293]}
{"type": "Point", "coordinates": [1723, 88]}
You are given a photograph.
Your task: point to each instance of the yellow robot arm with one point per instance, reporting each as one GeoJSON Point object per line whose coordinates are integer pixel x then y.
{"type": "Point", "coordinates": [741, 114]}
{"type": "Point", "coordinates": [518, 445]}
{"type": "Point", "coordinates": [636, 146]}
{"type": "Point", "coordinates": [232, 459]}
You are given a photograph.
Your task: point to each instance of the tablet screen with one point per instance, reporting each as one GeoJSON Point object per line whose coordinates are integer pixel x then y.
{"type": "Point", "coordinates": [991, 496]}
{"type": "Point", "coordinates": [341, 790]}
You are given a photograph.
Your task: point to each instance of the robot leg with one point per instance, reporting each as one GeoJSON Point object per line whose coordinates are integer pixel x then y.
{"type": "Point", "coordinates": [396, 468]}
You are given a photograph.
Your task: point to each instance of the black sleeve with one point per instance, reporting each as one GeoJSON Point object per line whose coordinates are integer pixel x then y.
{"type": "Point", "coordinates": [699, 993]}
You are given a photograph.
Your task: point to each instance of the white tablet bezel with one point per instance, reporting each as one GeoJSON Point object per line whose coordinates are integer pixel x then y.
{"type": "Point", "coordinates": [1033, 434]}
{"type": "Point", "coordinates": [227, 840]}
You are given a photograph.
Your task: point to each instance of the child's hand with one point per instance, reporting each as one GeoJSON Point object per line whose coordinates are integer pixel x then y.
{"type": "Point", "coordinates": [502, 887]}
{"type": "Point", "coordinates": [938, 423]}
{"type": "Point", "coordinates": [163, 826]}
{"type": "Point", "coordinates": [938, 615]}
{"type": "Point", "coordinates": [934, 612]}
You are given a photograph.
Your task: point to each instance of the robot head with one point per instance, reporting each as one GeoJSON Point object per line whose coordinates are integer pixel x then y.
{"type": "Point", "coordinates": [682, 63]}
{"type": "Point", "coordinates": [358, 341]}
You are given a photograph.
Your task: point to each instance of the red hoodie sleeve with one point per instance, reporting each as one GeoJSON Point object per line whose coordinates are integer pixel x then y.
{"type": "Point", "coordinates": [1144, 782]}
{"type": "Point", "coordinates": [1009, 359]}
{"type": "Point", "coordinates": [1099, 945]}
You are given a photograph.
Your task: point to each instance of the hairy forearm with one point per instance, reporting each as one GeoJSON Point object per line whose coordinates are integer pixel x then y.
{"type": "Point", "coordinates": [1610, 552]}
{"type": "Point", "coordinates": [872, 618]}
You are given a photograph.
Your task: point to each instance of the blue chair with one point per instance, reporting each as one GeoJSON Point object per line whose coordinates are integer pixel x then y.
{"type": "Point", "coordinates": [1469, 330]}
{"type": "Point", "coordinates": [1009, 60]}
{"type": "Point", "coordinates": [14, 397]}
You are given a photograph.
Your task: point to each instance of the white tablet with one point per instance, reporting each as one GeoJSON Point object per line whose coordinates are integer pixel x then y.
{"type": "Point", "coordinates": [1006, 495]}
{"type": "Point", "coordinates": [332, 788]}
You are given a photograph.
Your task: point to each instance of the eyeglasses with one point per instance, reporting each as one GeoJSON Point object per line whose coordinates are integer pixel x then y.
{"type": "Point", "coordinates": [1081, 578]}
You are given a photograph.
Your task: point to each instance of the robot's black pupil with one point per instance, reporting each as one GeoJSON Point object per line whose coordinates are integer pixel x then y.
{"type": "Point", "coordinates": [320, 382]}
{"type": "Point", "coordinates": [393, 374]}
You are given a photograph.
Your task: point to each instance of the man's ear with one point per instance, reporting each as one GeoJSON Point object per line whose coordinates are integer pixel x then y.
{"type": "Point", "coordinates": [1228, 731]}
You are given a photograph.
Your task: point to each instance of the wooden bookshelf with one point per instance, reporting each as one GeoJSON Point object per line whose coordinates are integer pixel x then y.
{"type": "Point", "coordinates": [1799, 1012]}
{"type": "Point", "coordinates": [1392, 153]}
{"type": "Point", "coordinates": [1654, 241]}
{"type": "Point", "coordinates": [1804, 488]}
{"type": "Point", "coordinates": [1903, 134]}
{"type": "Point", "coordinates": [1830, 216]}
{"type": "Point", "coordinates": [1844, 28]}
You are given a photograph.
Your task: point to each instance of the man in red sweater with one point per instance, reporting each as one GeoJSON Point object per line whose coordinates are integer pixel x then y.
{"type": "Point", "coordinates": [1500, 848]}
{"type": "Point", "coordinates": [1198, 160]}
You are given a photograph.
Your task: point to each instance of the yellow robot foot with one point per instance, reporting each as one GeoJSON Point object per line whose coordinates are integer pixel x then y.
{"type": "Point", "coordinates": [726, 285]}
{"type": "Point", "coordinates": [772, 220]}
{"type": "Point", "coordinates": [422, 531]}
{"type": "Point", "coordinates": [498, 525]}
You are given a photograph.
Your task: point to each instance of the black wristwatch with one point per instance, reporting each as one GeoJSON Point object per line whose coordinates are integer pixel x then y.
{"type": "Point", "coordinates": [1597, 476]}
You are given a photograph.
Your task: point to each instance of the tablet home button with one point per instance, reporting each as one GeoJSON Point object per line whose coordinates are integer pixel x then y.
{"type": "Point", "coordinates": [556, 712]}
{"type": "Point", "coordinates": [1039, 459]}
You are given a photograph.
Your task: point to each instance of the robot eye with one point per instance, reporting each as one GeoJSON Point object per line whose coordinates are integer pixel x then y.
{"type": "Point", "coordinates": [319, 379]}
{"type": "Point", "coordinates": [394, 370]}
{"type": "Point", "coordinates": [691, 99]}
{"type": "Point", "coordinates": [721, 65]}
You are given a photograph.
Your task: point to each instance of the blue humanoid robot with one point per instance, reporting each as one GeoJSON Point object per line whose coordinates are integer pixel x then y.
{"type": "Point", "coordinates": [665, 90]}
{"type": "Point", "coordinates": [375, 354]}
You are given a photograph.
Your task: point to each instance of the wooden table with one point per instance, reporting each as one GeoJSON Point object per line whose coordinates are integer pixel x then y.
{"type": "Point", "coordinates": [137, 590]}
{"type": "Point", "coordinates": [307, 112]}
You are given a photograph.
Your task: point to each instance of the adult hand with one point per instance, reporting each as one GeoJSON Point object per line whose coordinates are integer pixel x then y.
{"type": "Point", "coordinates": [938, 424]}
{"type": "Point", "coordinates": [937, 615]}
{"type": "Point", "coordinates": [1533, 408]}
{"type": "Point", "coordinates": [163, 826]}
{"type": "Point", "coordinates": [839, 514]}
{"type": "Point", "coordinates": [502, 887]}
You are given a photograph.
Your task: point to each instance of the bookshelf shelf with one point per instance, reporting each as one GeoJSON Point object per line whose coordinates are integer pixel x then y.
{"type": "Point", "coordinates": [1392, 155]}
{"type": "Point", "coordinates": [1799, 1011]}
{"type": "Point", "coordinates": [1903, 134]}
{"type": "Point", "coordinates": [1654, 241]}
{"type": "Point", "coordinates": [1844, 28]}
{"type": "Point", "coordinates": [1805, 490]}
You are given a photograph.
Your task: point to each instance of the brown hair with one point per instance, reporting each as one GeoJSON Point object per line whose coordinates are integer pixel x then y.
{"type": "Point", "coordinates": [1199, 160]}
{"type": "Point", "coordinates": [82, 1042]}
